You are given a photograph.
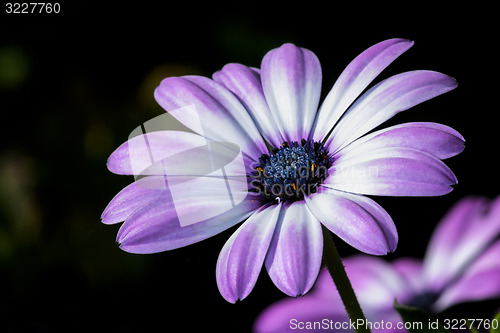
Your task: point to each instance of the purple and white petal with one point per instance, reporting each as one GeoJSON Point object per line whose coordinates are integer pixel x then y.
{"type": "Point", "coordinates": [354, 79]}
{"type": "Point", "coordinates": [240, 260]}
{"type": "Point", "coordinates": [469, 227]}
{"type": "Point", "coordinates": [140, 152]}
{"type": "Point", "coordinates": [216, 160]}
{"type": "Point", "coordinates": [376, 285]}
{"type": "Point", "coordinates": [480, 281]}
{"type": "Point", "coordinates": [380, 103]}
{"type": "Point", "coordinates": [294, 257]}
{"type": "Point", "coordinates": [391, 172]}
{"type": "Point", "coordinates": [170, 222]}
{"type": "Point", "coordinates": [246, 84]}
{"type": "Point", "coordinates": [292, 314]}
{"type": "Point", "coordinates": [291, 78]}
{"type": "Point", "coordinates": [435, 139]}
{"type": "Point", "coordinates": [375, 281]}
{"type": "Point", "coordinates": [130, 199]}
{"type": "Point", "coordinates": [210, 110]}
{"type": "Point", "coordinates": [410, 271]}
{"type": "Point", "coordinates": [356, 219]}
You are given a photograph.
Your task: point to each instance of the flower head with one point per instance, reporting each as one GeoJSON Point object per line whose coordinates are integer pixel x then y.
{"type": "Point", "coordinates": [295, 166]}
{"type": "Point", "coordinates": [461, 265]}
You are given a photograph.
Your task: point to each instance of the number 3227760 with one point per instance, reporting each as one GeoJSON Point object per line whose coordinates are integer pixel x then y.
{"type": "Point", "coordinates": [32, 8]}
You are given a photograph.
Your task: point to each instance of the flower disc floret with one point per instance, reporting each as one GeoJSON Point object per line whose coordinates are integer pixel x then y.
{"type": "Point", "coordinates": [292, 171]}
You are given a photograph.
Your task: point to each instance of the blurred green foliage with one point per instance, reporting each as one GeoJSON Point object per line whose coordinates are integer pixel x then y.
{"type": "Point", "coordinates": [14, 67]}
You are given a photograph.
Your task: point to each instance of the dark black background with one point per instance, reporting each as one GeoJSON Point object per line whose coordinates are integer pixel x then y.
{"type": "Point", "coordinates": [87, 80]}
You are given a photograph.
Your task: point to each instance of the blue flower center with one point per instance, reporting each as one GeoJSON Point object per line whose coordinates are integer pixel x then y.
{"type": "Point", "coordinates": [423, 300]}
{"type": "Point", "coordinates": [292, 171]}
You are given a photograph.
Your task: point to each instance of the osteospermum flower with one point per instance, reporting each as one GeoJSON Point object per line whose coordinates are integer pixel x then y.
{"type": "Point", "coordinates": [461, 265]}
{"type": "Point", "coordinates": [303, 166]}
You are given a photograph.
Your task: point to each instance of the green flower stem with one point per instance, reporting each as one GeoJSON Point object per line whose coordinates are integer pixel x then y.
{"type": "Point", "coordinates": [336, 269]}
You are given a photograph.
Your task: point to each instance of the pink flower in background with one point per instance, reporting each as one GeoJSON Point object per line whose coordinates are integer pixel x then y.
{"type": "Point", "coordinates": [461, 265]}
{"type": "Point", "coordinates": [320, 164]}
